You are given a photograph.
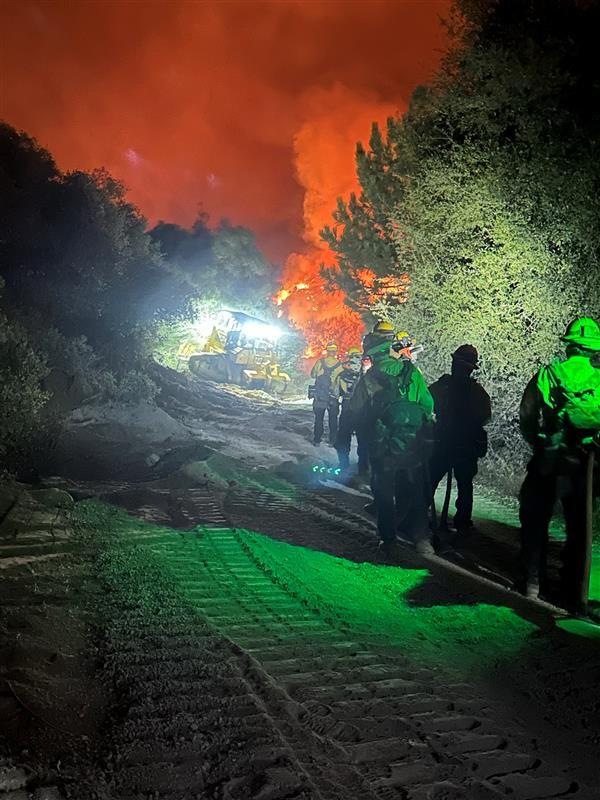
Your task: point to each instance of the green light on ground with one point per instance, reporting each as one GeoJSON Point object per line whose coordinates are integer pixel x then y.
{"type": "Point", "coordinates": [391, 604]}
{"type": "Point", "coordinates": [580, 628]}
{"type": "Point", "coordinates": [374, 605]}
{"type": "Point", "coordinates": [595, 574]}
{"type": "Point", "coordinates": [506, 511]}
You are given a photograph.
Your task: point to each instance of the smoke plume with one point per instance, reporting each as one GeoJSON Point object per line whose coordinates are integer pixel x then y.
{"type": "Point", "coordinates": [324, 146]}
{"type": "Point", "coordinates": [247, 110]}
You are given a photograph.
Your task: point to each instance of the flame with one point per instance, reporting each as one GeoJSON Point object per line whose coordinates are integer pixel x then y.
{"type": "Point", "coordinates": [320, 314]}
{"type": "Point", "coordinates": [283, 294]}
{"type": "Point", "coordinates": [389, 287]}
{"type": "Point", "coordinates": [337, 118]}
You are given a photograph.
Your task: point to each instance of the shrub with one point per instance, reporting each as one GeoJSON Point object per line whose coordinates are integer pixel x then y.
{"type": "Point", "coordinates": [134, 387]}
{"type": "Point", "coordinates": [21, 396]}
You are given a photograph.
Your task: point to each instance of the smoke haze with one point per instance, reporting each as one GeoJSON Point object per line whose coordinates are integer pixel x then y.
{"type": "Point", "coordinates": [212, 103]}
{"type": "Point", "coordinates": [248, 110]}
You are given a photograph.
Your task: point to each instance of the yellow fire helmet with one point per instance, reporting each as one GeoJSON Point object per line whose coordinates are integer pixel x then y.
{"type": "Point", "coordinates": [331, 347]}
{"type": "Point", "coordinates": [383, 327]}
{"type": "Point", "coordinates": [354, 351]}
{"type": "Point", "coordinates": [404, 338]}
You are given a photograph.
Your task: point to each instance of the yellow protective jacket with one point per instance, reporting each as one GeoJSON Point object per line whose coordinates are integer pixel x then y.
{"type": "Point", "coordinates": [319, 367]}
{"type": "Point", "coordinates": [343, 381]}
{"type": "Point", "coordinates": [322, 372]}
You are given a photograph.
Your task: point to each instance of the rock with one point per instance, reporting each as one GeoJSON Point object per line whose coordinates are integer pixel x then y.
{"type": "Point", "coordinates": [532, 787]}
{"type": "Point", "coordinates": [37, 515]}
{"type": "Point", "coordinates": [47, 793]}
{"type": "Point", "coordinates": [13, 778]}
{"type": "Point", "coordinates": [53, 498]}
{"type": "Point", "coordinates": [20, 794]}
{"type": "Point", "coordinates": [115, 441]}
{"type": "Point", "coordinates": [8, 497]}
{"type": "Point", "coordinates": [178, 457]}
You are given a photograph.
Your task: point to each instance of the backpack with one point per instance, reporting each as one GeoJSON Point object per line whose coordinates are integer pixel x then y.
{"type": "Point", "coordinates": [398, 421]}
{"type": "Point", "coordinates": [350, 378]}
{"type": "Point", "coordinates": [576, 401]}
{"type": "Point", "coordinates": [322, 388]}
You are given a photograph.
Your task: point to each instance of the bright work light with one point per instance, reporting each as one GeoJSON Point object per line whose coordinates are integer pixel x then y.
{"type": "Point", "coordinates": [256, 330]}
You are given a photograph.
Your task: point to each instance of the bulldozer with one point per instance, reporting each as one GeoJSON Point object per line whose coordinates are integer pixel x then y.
{"type": "Point", "coordinates": [241, 349]}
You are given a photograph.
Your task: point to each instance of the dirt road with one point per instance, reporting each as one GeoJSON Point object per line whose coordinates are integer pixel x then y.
{"type": "Point", "coordinates": [237, 666]}
{"type": "Point", "coordinates": [244, 638]}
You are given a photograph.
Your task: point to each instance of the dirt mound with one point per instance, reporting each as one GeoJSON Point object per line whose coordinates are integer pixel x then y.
{"type": "Point", "coordinates": [115, 441]}
{"type": "Point", "coordinates": [191, 419]}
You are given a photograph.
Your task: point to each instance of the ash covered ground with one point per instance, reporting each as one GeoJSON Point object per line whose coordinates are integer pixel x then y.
{"type": "Point", "coordinates": [208, 621]}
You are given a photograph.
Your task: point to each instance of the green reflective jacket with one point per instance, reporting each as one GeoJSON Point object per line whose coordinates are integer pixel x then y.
{"type": "Point", "coordinates": [372, 382]}
{"type": "Point", "coordinates": [564, 395]}
{"type": "Point", "coordinates": [394, 406]}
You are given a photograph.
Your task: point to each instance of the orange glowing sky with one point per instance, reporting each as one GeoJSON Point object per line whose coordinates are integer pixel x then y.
{"type": "Point", "coordinates": [249, 109]}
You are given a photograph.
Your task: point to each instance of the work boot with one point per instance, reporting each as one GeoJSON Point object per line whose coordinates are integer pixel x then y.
{"type": "Point", "coordinates": [569, 599]}
{"type": "Point", "coordinates": [532, 590]}
{"type": "Point", "coordinates": [424, 547]}
{"type": "Point", "coordinates": [576, 607]}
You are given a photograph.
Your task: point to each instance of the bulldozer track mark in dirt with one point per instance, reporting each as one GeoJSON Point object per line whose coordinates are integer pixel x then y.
{"type": "Point", "coordinates": [283, 700]}
{"type": "Point", "coordinates": [310, 520]}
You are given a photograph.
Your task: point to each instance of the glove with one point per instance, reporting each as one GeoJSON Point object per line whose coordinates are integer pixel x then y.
{"type": "Point", "coordinates": [591, 441]}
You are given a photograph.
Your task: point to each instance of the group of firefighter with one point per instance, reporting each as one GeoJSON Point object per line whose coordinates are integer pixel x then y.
{"type": "Point", "coordinates": [410, 435]}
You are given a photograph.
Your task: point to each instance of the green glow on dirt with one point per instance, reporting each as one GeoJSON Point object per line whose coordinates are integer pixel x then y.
{"type": "Point", "coordinates": [502, 510]}
{"type": "Point", "coordinates": [494, 508]}
{"type": "Point", "coordinates": [595, 574]}
{"type": "Point", "coordinates": [579, 627]}
{"type": "Point", "coordinates": [371, 604]}
{"type": "Point", "coordinates": [376, 605]}
{"type": "Point", "coordinates": [221, 470]}
{"type": "Point", "coordinates": [392, 603]}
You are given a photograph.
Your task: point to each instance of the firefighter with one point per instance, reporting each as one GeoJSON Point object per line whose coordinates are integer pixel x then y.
{"type": "Point", "coordinates": [560, 419]}
{"type": "Point", "coordinates": [394, 398]}
{"type": "Point", "coordinates": [382, 331]}
{"type": "Point", "coordinates": [322, 394]}
{"type": "Point", "coordinates": [462, 409]}
{"type": "Point", "coordinates": [343, 381]}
